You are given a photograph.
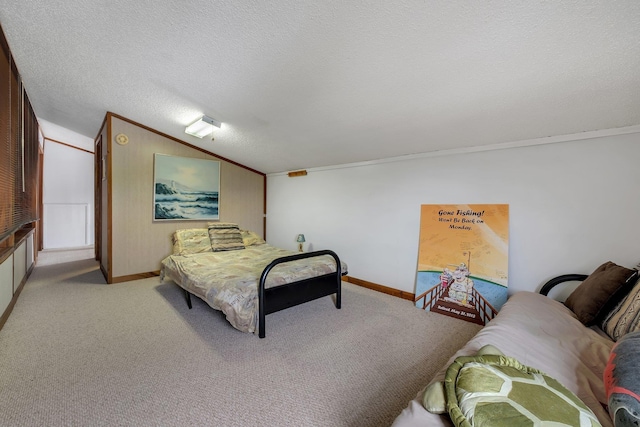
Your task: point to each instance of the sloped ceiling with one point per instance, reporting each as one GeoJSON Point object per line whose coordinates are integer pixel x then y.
{"type": "Point", "coordinates": [301, 84]}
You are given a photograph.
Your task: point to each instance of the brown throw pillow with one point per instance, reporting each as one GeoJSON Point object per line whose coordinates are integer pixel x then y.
{"type": "Point", "coordinates": [600, 292]}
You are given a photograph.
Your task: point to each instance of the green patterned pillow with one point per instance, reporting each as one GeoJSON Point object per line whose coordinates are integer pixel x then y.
{"type": "Point", "coordinates": [191, 241]}
{"type": "Point", "coordinates": [250, 238]}
{"type": "Point", "coordinates": [498, 391]}
{"type": "Point", "coordinates": [434, 399]}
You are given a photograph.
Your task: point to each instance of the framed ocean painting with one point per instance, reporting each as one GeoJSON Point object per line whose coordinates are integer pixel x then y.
{"type": "Point", "coordinates": [185, 188]}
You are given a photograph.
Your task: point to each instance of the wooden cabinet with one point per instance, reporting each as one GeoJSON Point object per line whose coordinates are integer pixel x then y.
{"type": "Point", "coordinates": [6, 283]}
{"type": "Point", "coordinates": [16, 264]}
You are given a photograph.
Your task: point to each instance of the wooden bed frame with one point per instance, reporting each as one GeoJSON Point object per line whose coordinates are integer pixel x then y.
{"type": "Point", "coordinates": [278, 298]}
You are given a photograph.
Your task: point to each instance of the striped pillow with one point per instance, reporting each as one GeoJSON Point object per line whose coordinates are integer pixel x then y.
{"type": "Point", "coordinates": [625, 317]}
{"type": "Point", "coordinates": [225, 237]}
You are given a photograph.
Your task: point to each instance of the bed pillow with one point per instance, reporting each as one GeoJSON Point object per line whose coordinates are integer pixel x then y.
{"type": "Point", "coordinates": [225, 237]}
{"type": "Point", "coordinates": [498, 391]}
{"type": "Point", "coordinates": [249, 238]}
{"type": "Point", "coordinates": [625, 317]}
{"type": "Point", "coordinates": [622, 381]}
{"type": "Point", "coordinates": [433, 398]}
{"type": "Point", "coordinates": [191, 241]}
{"type": "Point", "coordinates": [600, 292]}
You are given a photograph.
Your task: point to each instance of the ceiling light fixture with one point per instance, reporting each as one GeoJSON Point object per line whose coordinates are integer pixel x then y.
{"type": "Point", "coordinates": [202, 127]}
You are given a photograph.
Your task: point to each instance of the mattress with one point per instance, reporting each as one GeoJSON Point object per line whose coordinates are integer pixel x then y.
{"type": "Point", "coordinates": [541, 333]}
{"type": "Point", "coordinates": [228, 280]}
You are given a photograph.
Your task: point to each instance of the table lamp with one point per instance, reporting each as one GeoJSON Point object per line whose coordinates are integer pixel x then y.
{"type": "Point", "coordinates": [300, 240]}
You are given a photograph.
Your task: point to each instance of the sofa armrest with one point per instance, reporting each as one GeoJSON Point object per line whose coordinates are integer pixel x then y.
{"type": "Point", "coordinates": [561, 279]}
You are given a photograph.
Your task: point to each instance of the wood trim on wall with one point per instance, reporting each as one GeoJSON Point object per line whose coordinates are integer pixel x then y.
{"type": "Point", "coordinates": [39, 243]}
{"type": "Point", "coordinates": [353, 280]}
{"type": "Point", "coordinates": [104, 272]}
{"type": "Point", "coordinates": [68, 145]}
{"type": "Point", "coordinates": [179, 141]}
{"type": "Point", "coordinates": [97, 204]}
{"type": "Point", "coordinates": [109, 171]}
{"type": "Point", "coordinates": [380, 288]}
{"type": "Point", "coordinates": [102, 126]}
{"type": "Point", "coordinates": [138, 276]}
{"type": "Point", "coordinates": [264, 213]}
{"type": "Point", "coordinates": [113, 267]}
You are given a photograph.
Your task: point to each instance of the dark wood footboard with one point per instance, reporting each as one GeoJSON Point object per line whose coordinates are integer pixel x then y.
{"type": "Point", "coordinates": [280, 297]}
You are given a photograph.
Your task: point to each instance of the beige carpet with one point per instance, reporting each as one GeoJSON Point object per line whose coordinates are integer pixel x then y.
{"type": "Point", "coordinates": [58, 256]}
{"type": "Point", "coordinates": [78, 352]}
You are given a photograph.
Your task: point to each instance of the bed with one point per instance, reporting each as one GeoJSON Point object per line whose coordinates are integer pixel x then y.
{"type": "Point", "coordinates": [574, 346]}
{"type": "Point", "coordinates": [241, 275]}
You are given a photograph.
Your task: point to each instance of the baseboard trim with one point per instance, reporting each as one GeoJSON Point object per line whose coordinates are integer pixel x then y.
{"type": "Point", "coordinates": [138, 276]}
{"type": "Point", "coordinates": [380, 288]}
{"type": "Point", "coordinates": [354, 280]}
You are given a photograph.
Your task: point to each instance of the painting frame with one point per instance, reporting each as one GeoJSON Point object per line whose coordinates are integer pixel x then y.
{"type": "Point", "coordinates": [185, 188]}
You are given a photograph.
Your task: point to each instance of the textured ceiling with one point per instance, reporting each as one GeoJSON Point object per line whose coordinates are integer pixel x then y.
{"type": "Point", "coordinates": [302, 84]}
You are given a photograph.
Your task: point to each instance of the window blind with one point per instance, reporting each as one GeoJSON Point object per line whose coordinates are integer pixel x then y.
{"type": "Point", "coordinates": [18, 149]}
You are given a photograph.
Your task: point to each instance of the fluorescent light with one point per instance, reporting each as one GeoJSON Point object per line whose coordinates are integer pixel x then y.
{"type": "Point", "coordinates": [202, 127]}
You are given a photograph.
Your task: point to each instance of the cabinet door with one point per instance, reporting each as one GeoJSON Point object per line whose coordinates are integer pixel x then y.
{"type": "Point", "coordinates": [19, 265]}
{"type": "Point", "coordinates": [30, 255]}
{"type": "Point", "coordinates": [6, 283]}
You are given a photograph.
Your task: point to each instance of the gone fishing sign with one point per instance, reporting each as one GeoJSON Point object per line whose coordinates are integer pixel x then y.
{"type": "Point", "coordinates": [463, 260]}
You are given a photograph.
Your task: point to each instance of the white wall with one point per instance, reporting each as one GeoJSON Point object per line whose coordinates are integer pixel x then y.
{"type": "Point", "coordinates": [58, 133]}
{"type": "Point", "coordinates": [573, 205]}
{"type": "Point", "coordinates": [68, 211]}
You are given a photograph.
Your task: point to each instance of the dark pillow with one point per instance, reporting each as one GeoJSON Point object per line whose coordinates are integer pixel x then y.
{"type": "Point", "coordinates": [622, 381]}
{"type": "Point", "coordinates": [600, 292]}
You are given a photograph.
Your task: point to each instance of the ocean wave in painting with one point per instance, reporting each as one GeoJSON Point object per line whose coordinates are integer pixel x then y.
{"type": "Point", "coordinates": [173, 204]}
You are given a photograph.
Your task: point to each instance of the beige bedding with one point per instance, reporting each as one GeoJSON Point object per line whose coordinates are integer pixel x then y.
{"type": "Point", "coordinates": [228, 280]}
{"type": "Point", "coordinates": [541, 333]}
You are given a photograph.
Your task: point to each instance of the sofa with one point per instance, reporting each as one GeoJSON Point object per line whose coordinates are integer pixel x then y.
{"type": "Point", "coordinates": [574, 357]}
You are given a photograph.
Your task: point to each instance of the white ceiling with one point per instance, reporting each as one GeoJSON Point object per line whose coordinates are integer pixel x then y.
{"type": "Point", "coordinates": [301, 84]}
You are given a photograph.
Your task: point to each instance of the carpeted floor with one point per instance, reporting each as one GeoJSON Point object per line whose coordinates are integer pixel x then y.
{"type": "Point", "coordinates": [59, 256]}
{"type": "Point", "coordinates": [78, 352]}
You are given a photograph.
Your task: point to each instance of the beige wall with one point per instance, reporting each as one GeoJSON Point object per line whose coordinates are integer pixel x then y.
{"type": "Point", "coordinates": [138, 242]}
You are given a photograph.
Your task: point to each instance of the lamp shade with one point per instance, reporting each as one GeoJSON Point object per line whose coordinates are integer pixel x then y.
{"type": "Point", "coordinates": [300, 238]}
{"type": "Point", "coordinates": [202, 127]}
